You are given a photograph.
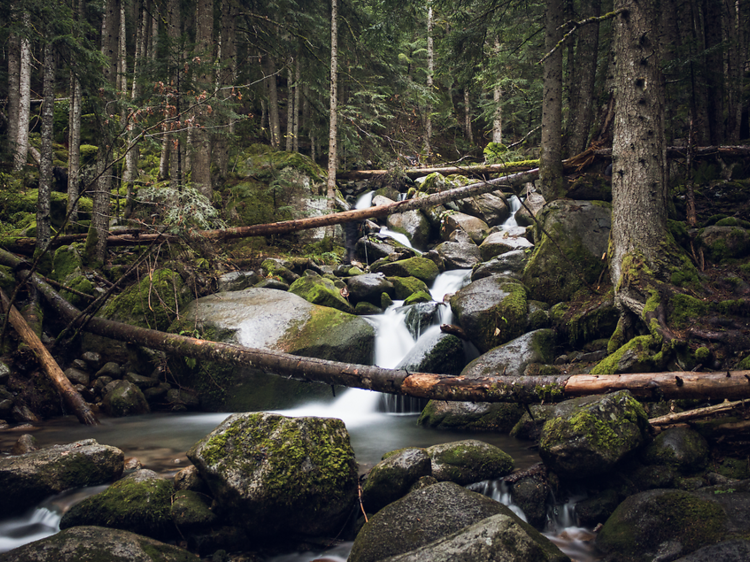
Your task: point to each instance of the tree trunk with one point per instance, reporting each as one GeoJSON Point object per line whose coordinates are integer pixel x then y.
{"type": "Point", "coordinates": [430, 79]}
{"type": "Point", "coordinates": [639, 186]}
{"type": "Point", "coordinates": [467, 117]}
{"type": "Point", "coordinates": [290, 109]}
{"type": "Point", "coordinates": [14, 90]}
{"type": "Point", "coordinates": [48, 364]}
{"type": "Point", "coordinates": [736, 63]}
{"type": "Point", "coordinates": [201, 156]}
{"type": "Point", "coordinates": [333, 110]}
{"type": "Point", "coordinates": [24, 102]}
{"type": "Point", "coordinates": [274, 127]}
{"type": "Point", "coordinates": [582, 87]}
{"type": "Point", "coordinates": [714, 69]}
{"type": "Point", "coordinates": [297, 87]}
{"type": "Point", "coordinates": [74, 149]}
{"type": "Point", "coordinates": [43, 221]}
{"type": "Point", "coordinates": [550, 163]}
{"type": "Point", "coordinates": [227, 58]}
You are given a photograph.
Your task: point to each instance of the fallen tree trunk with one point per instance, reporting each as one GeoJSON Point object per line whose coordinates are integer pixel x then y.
{"type": "Point", "coordinates": [470, 171]}
{"type": "Point", "coordinates": [525, 390]}
{"type": "Point", "coordinates": [69, 394]}
{"type": "Point", "coordinates": [27, 245]}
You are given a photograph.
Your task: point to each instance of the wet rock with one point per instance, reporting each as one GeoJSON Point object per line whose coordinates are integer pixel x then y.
{"type": "Point", "coordinates": [369, 287]}
{"type": "Point", "coordinates": [189, 478]}
{"type": "Point", "coordinates": [421, 316]}
{"type": "Point", "coordinates": [414, 225]}
{"type": "Point", "coordinates": [488, 207]}
{"type": "Point", "coordinates": [405, 287]}
{"type": "Point", "coordinates": [459, 251]}
{"type": "Point", "coordinates": [582, 322]}
{"type": "Point", "coordinates": [321, 291]}
{"type": "Point", "coordinates": [28, 479]}
{"type": "Point", "coordinates": [595, 510]}
{"type": "Point", "coordinates": [512, 358]}
{"type": "Point", "coordinates": [110, 369]}
{"type": "Point", "coordinates": [25, 444]}
{"type": "Point", "coordinates": [491, 311]}
{"type": "Point", "coordinates": [535, 202]}
{"type": "Point", "coordinates": [393, 477]}
{"type": "Point", "coordinates": [470, 416]}
{"type": "Point", "coordinates": [469, 461]}
{"type": "Point", "coordinates": [125, 399]}
{"type": "Point", "coordinates": [237, 280]}
{"type": "Point", "coordinates": [76, 376]}
{"type": "Point", "coordinates": [140, 381]}
{"type": "Point", "coordinates": [93, 360]}
{"type": "Point", "coordinates": [157, 394]}
{"type": "Point", "coordinates": [499, 243]}
{"type": "Point", "coordinates": [418, 267]}
{"type": "Point", "coordinates": [276, 475]}
{"type": "Point", "coordinates": [681, 448]}
{"type": "Point", "coordinates": [531, 495]}
{"type": "Point", "coordinates": [588, 436]}
{"type": "Point", "coordinates": [139, 503]}
{"type": "Point", "coordinates": [422, 517]}
{"type": "Point", "coordinates": [84, 544]}
{"type": "Point", "coordinates": [509, 263]}
{"type": "Point", "coordinates": [182, 399]}
{"type": "Point", "coordinates": [727, 551]}
{"type": "Point", "coordinates": [191, 510]}
{"type": "Point", "coordinates": [476, 228]}
{"type": "Point", "coordinates": [435, 352]}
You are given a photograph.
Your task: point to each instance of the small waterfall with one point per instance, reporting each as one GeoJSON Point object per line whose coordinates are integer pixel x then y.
{"type": "Point", "coordinates": [515, 205]}
{"type": "Point", "coordinates": [37, 524]}
{"type": "Point", "coordinates": [364, 201]}
{"type": "Point", "coordinates": [398, 237]}
{"type": "Point", "coordinates": [498, 490]}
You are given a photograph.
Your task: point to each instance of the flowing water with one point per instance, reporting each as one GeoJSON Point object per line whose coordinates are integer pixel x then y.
{"type": "Point", "coordinates": [376, 423]}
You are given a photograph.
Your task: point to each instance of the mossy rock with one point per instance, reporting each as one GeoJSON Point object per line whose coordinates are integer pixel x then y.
{"type": "Point", "coordinates": [136, 504]}
{"type": "Point", "coordinates": [321, 291]}
{"type": "Point", "coordinates": [585, 318]}
{"type": "Point", "coordinates": [392, 477]}
{"type": "Point", "coordinates": [419, 296]}
{"type": "Point", "coordinates": [264, 162]}
{"type": "Point", "coordinates": [469, 461]}
{"type": "Point", "coordinates": [641, 354]}
{"type": "Point", "coordinates": [681, 448]}
{"type": "Point", "coordinates": [191, 510]}
{"type": "Point", "coordinates": [421, 268]}
{"type": "Point", "coordinates": [471, 416]}
{"type": "Point", "coordinates": [407, 286]}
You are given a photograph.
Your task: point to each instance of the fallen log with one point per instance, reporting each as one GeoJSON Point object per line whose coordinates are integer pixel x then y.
{"type": "Point", "coordinates": [524, 390]}
{"type": "Point", "coordinates": [48, 364]}
{"type": "Point", "coordinates": [26, 245]}
{"type": "Point", "coordinates": [469, 170]}
{"type": "Point", "coordinates": [680, 417]}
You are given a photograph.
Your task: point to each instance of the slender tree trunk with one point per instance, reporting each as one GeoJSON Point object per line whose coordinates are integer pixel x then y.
{"type": "Point", "coordinates": [43, 222]}
{"type": "Point", "coordinates": [714, 69]}
{"type": "Point", "coordinates": [227, 58]}
{"type": "Point", "coordinates": [290, 106]}
{"type": "Point", "coordinates": [201, 157]}
{"type": "Point", "coordinates": [273, 102]}
{"type": "Point", "coordinates": [122, 63]}
{"type": "Point", "coordinates": [430, 81]}
{"type": "Point", "coordinates": [297, 86]}
{"type": "Point", "coordinates": [582, 87]}
{"type": "Point", "coordinates": [130, 172]}
{"type": "Point", "coordinates": [497, 97]}
{"type": "Point", "coordinates": [639, 186]}
{"type": "Point", "coordinates": [74, 149]}
{"type": "Point", "coordinates": [14, 90]}
{"type": "Point", "coordinates": [24, 102]}
{"type": "Point", "coordinates": [174, 145]}
{"type": "Point", "coordinates": [737, 55]}
{"type": "Point", "coordinates": [550, 164]}
{"type": "Point", "coordinates": [467, 116]}
{"type": "Point", "coordinates": [333, 110]}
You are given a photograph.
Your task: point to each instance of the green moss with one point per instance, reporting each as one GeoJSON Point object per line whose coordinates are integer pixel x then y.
{"type": "Point", "coordinates": [407, 286]}
{"type": "Point", "coordinates": [419, 296]}
{"type": "Point", "coordinates": [702, 354]}
{"type": "Point", "coordinates": [643, 347]}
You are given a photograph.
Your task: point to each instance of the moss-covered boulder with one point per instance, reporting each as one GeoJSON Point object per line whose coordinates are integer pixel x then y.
{"type": "Point", "coordinates": [404, 287]}
{"type": "Point", "coordinates": [680, 448]}
{"type": "Point", "coordinates": [192, 510]}
{"type": "Point", "coordinates": [435, 352]}
{"type": "Point", "coordinates": [86, 544]}
{"type": "Point", "coordinates": [421, 268]}
{"type": "Point", "coordinates": [420, 518]}
{"type": "Point", "coordinates": [67, 268]}
{"type": "Point", "coordinates": [280, 476]}
{"type": "Point", "coordinates": [510, 263]}
{"type": "Point", "coordinates": [469, 461]}
{"type": "Point", "coordinates": [588, 436]}
{"type": "Point", "coordinates": [585, 318]}
{"type": "Point", "coordinates": [267, 319]}
{"type": "Point", "coordinates": [470, 416]}
{"type": "Point", "coordinates": [28, 479]}
{"type": "Point", "coordinates": [321, 291]}
{"type": "Point", "coordinates": [125, 399]}
{"type": "Point", "coordinates": [578, 237]}
{"type": "Point", "coordinates": [392, 478]}
{"type": "Point", "coordinates": [725, 242]}
{"type": "Point", "coordinates": [140, 503]}
{"type": "Point", "coordinates": [488, 207]}
{"type": "Point", "coordinates": [369, 287]}
{"type": "Point", "coordinates": [491, 311]}
{"type": "Point", "coordinates": [649, 523]}
{"type": "Point", "coordinates": [512, 358]}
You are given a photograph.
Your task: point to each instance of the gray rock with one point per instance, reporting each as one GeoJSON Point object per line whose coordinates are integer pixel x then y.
{"type": "Point", "coordinates": [488, 207]}
{"type": "Point", "coordinates": [369, 287]}
{"type": "Point", "coordinates": [93, 360]}
{"type": "Point", "coordinates": [179, 398]}
{"type": "Point", "coordinates": [502, 242]}
{"type": "Point", "coordinates": [531, 494]}
{"type": "Point", "coordinates": [28, 479]}
{"type": "Point", "coordinates": [476, 228]}
{"type": "Point", "coordinates": [392, 478]}
{"type": "Point", "coordinates": [125, 399]}
{"type": "Point", "coordinates": [419, 317]}
{"type": "Point", "coordinates": [414, 225]}
{"type": "Point", "coordinates": [727, 551]}
{"type": "Point", "coordinates": [140, 381]}
{"type": "Point", "coordinates": [191, 510]}
{"type": "Point", "coordinates": [509, 263]}
{"type": "Point", "coordinates": [512, 358]}
{"type": "Point", "coordinates": [421, 517]}
{"type": "Point", "coordinates": [435, 352]}
{"type": "Point", "coordinates": [725, 242]}
{"type": "Point", "coordinates": [110, 369]}
{"type": "Point", "coordinates": [535, 202]}
{"type": "Point", "coordinates": [237, 280]}
{"type": "Point", "coordinates": [469, 461]}
{"type": "Point", "coordinates": [680, 448]}
{"type": "Point", "coordinates": [279, 476]}
{"type": "Point", "coordinates": [76, 376]}
{"type": "Point", "coordinates": [459, 252]}
{"type": "Point", "coordinates": [471, 416]}
{"type": "Point", "coordinates": [25, 444]}
{"type": "Point", "coordinates": [189, 478]}
{"type": "Point", "coordinates": [588, 436]}
{"type": "Point", "coordinates": [500, 538]}
{"type": "Point", "coordinates": [84, 544]}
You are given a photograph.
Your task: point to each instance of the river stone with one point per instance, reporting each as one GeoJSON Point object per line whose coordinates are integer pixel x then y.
{"type": "Point", "coordinates": [469, 461]}
{"type": "Point", "coordinates": [680, 448]}
{"type": "Point", "coordinates": [281, 269]}
{"type": "Point", "coordinates": [658, 522]}
{"type": "Point", "coordinates": [500, 538]}
{"type": "Point", "coordinates": [125, 399]}
{"type": "Point", "coordinates": [491, 311]}
{"type": "Point", "coordinates": [76, 376]}
{"type": "Point", "coordinates": [320, 290]}
{"type": "Point", "coordinates": [435, 352]}
{"type": "Point", "coordinates": [25, 444]}
{"type": "Point", "coordinates": [510, 263]}
{"type": "Point", "coordinates": [512, 358]}
{"type": "Point", "coordinates": [588, 436]}
{"type": "Point", "coordinates": [109, 369]}
{"type": "Point", "coordinates": [419, 317]}
{"type": "Point", "coordinates": [470, 416]}
{"type": "Point", "coordinates": [27, 479]}
{"type": "Point", "coordinates": [489, 207]}
{"type": "Point", "coordinates": [459, 251]}
{"type": "Point", "coordinates": [237, 280]}
{"type": "Point", "coordinates": [189, 478]}
{"type": "Point", "coordinates": [476, 228]}
{"type": "Point", "coordinates": [191, 510]}
{"type": "Point", "coordinates": [502, 242]}
{"type": "Point", "coordinates": [419, 518]}
{"type": "Point", "coordinates": [139, 503]}
{"type": "Point", "coordinates": [392, 478]}
{"type": "Point", "coordinates": [580, 230]}
{"type": "Point", "coordinates": [413, 224]}
{"type": "Point", "coordinates": [280, 476]}
{"type": "Point", "coordinates": [530, 494]}
{"type": "Point", "coordinates": [727, 551]}
{"type": "Point", "coordinates": [272, 320]}
{"type": "Point", "coordinates": [369, 287]}
{"type": "Point", "coordinates": [533, 202]}
{"type": "Point", "coordinates": [405, 287]}
{"type": "Point", "coordinates": [725, 242]}
{"type": "Point", "coordinates": [421, 268]}
{"type": "Point", "coordinates": [87, 544]}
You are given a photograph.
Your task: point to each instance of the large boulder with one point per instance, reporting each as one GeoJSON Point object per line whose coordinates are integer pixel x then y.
{"type": "Point", "coordinates": [30, 478]}
{"type": "Point", "coordinates": [392, 477]}
{"type": "Point", "coordinates": [725, 242]}
{"type": "Point", "coordinates": [488, 207]}
{"type": "Point", "coordinates": [459, 251]}
{"type": "Point", "coordinates": [588, 436]}
{"type": "Point", "coordinates": [280, 476]}
{"type": "Point", "coordinates": [512, 358]}
{"type": "Point", "coordinates": [274, 320]}
{"type": "Point", "coordinates": [469, 461]}
{"type": "Point", "coordinates": [491, 311]}
{"type": "Point", "coordinates": [578, 238]}
{"type": "Point", "coordinates": [125, 399]}
{"type": "Point", "coordinates": [680, 448]}
{"type": "Point", "coordinates": [510, 264]}
{"type": "Point", "coordinates": [422, 517]}
{"type": "Point", "coordinates": [533, 204]}
{"type": "Point", "coordinates": [369, 287]}
{"type": "Point", "coordinates": [476, 228]}
{"type": "Point", "coordinates": [471, 416]}
{"type": "Point", "coordinates": [320, 290]}
{"type": "Point", "coordinates": [501, 537]}
{"type": "Point", "coordinates": [435, 352]}
{"type": "Point", "coordinates": [85, 544]}
{"type": "Point", "coordinates": [421, 268]}
{"type": "Point", "coordinates": [414, 225]}
{"type": "Point", "coordinates": [140, 503]}
{"type": "Point", "coordinates": [502, 242]}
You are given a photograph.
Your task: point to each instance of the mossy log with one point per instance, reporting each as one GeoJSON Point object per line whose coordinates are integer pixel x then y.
{"type": "Point", "coordinates": [69, 394]}
{"type": "Point", "coordinates": [525, 390]}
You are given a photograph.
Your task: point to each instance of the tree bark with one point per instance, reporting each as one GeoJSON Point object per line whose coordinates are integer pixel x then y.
{"type": "Point", "coordinates": [201, 157]}
{"type": "Point", "coordinates": [467, 117]}
{"type": "Point", "coordinates": [43, 220]}
{"type": "Point", "coordinates": [274, 127]}
{"type": "Point", "coordinates": [14, 89]}
{"type": "Point", "coordinates": [21, 152]}
{"type": "Point", "coordinates": [74, 137]}
{"type": "Point", "coordinates": [48, 364]}
{"type": "Point", "coordinates": [430, 79]}
{"type": "Point", "coordinates": [297, 88]}
{"type": "Point", "coordinates": [550, 163]}
{"type": "Point", "coordinates": [524, 390]}
{"type": "Point", "coordinates": [333, 109]}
